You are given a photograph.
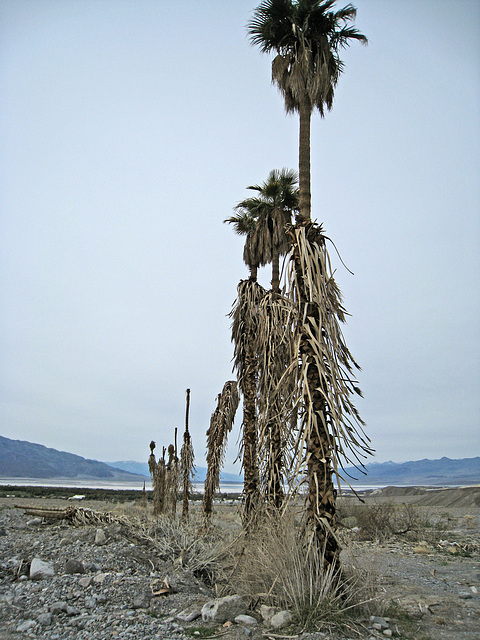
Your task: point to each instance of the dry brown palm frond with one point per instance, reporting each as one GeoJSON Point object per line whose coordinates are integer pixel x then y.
{"type": "Point", "coordinates": [276, 347]}
{"type": "Point", "coordinates": [330, 428]}
{"type": "Point", "coordinates": [247, 321]}
{"type": "Point", "coordinates": [221, 424]}
{"type": "Point", "coordinates": [247, 315]}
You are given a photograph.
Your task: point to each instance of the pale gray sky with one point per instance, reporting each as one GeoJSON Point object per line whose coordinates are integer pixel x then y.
{"type": "Point", "coordinates": [130, 128]}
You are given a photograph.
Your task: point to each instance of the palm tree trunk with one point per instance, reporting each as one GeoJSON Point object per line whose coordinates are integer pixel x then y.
{"type": "Point", "coordinates": [250, 465]}
{"type": "Point", "coordinates": [275, 271]}
{"type": "Point", "coordinates": [305, 201]}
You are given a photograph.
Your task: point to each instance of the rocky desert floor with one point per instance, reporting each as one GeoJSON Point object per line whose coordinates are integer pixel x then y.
{"type": "Point", "coordinates": [103, 578]}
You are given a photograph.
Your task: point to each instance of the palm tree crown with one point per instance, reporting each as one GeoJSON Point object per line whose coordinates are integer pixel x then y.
{"type": "Point", "coordinates": [306, 36]}
{"type": "Point", "coordinates": [263, 219]}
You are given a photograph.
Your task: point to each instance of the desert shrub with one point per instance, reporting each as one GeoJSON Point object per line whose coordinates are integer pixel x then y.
{"type": "Point", "coordinates": [384, 520]}
{"type": "Point", "coordinates": [276, 565]}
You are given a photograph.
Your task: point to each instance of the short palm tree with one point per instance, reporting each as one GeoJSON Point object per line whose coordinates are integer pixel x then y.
{"type": "Point", "coordinates": [186, 462]}
{"type": "Point", "coordinates": [221, 424]}
{"type": "Point", "coordinates": [306, 36]}
{"type": "Point", "coordinates": [272, 211]}
{"type": "Point", "coordinates": [244, 223]}
{"type": "Point", "coordinates": [246, 324]}
{"type": "Point", "coordinates": [259, 335]}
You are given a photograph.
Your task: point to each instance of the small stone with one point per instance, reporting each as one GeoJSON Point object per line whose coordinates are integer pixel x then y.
{"type": "Point", "coordinates": [90, 603]}
{"type": "Point", "coordinates": [267, 612]}
{"type": "Point", "coordinates": [388, 633]}
{"type": "Point", "coordinates": [40, 570]}
{"type": "Point", "coordinates": [142, 601]}
{"type": "Point", "coordinates": [72, 611]}
{"type": "Point", "coordinates": [474, 589]}
{"type": "Point", "coordinates": [35, 522]}
{"type": "Point", "coordinates": [100, 537]}
{"type": "Point", "coordinates": [59, 607]}
{"type": "Point", "coordinates": [74, 566]}
{"type": "Point", "coordinates": [99, 578]}
{"type": "Point", "coordinates": [86, 581]}
{"type": "Point", "coordinates": [466, 595]}
{"type": "Point", "coordinates": [189, 616]}
{"type": "Point", "coordinates": [26, 626]}
{"type": "Point", "coordinates": [223, 609]}
{"type": "Point", "coordinates": [45, 619]}
{"type": "Point", "coordinates": [248, 621]}
{"type": "Point", "coordinates": [281, 619]}
{"type": "Point", "coordinates": [379, 623]}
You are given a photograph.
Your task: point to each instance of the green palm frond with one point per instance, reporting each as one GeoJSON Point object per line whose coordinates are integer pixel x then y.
{"type": "Point", "coordinates": [306, 36]}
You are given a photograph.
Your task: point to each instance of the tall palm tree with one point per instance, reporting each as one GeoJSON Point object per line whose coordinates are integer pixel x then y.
{"type": "Point", "coordinates": [306, 36]}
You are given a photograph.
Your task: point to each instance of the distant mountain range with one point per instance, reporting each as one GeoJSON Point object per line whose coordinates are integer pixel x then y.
{"type": "Point", "coordinates": [420, 472]}
{"type": "Point", "coordinates": [200, 472]}
{"type": "Point", "coordinates": [20, 459]}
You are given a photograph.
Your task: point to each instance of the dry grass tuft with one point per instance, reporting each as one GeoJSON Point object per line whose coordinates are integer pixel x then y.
{"type": "Point", "coordinates": [275, 566]}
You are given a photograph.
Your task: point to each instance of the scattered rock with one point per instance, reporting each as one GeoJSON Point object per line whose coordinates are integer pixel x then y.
{"type": "Point", "coordinates": [248, 621]}
{"type": "Point", "coordinates": [45, 619]}
{"type": "Point", "coordinates": [34, 522]}
{"type": "Point", "coordinates": [281, 619]}
{"type": "Point", "coordinates": [142, 601]}
{"type": "Point", "coordinates": [223, 609]}
{"type": "Point", "coordinates": [26, 626]}
{"type": "Point", "coordinates": [85, 581]}
{"type": "Point", "coordinates": [74, 566]}
{"type": "Point", "coordinates": [100, 537]}
{"type": "Point", "coordinates": [39, 570]}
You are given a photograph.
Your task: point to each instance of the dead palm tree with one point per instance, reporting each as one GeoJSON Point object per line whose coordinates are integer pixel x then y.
{"type": "Point", "coordinates": [157, 471]}
{"type": "Point", "coordinates": [186, 462]}
{"type": "Point", "coordinates": [306, 36]}
{"type": "Point", "coordinates": [331, 429]}
{"type": "Point", "coordinates": [221, 424]}
{"type": "Point", "coordinates": [259, 338]}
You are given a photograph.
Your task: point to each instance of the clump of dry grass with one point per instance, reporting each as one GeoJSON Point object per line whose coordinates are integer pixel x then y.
{"type": "Point", "coordinates": [276, 565]}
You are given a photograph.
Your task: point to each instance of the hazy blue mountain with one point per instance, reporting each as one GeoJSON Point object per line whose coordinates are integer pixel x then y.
{"type": "Point", "coordinates": [423, 472]}
{"type": "Point", "coordinates": [21, 459]}
{"type": "Point", "coordinates": [200, 472]}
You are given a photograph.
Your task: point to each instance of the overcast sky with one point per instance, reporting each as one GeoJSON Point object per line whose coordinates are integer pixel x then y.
{"type": "Point", "coordinates": [130, 129]}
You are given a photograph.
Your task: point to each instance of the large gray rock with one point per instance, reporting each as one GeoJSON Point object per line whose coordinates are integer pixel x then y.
{"type": "Point", "coordinates": [223, 609]}
{"type": "Point", "coordinates": [40, 569]}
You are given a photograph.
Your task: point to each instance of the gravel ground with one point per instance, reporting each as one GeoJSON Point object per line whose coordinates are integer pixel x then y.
{"type": "Point", "coordinates": [105, 590]}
